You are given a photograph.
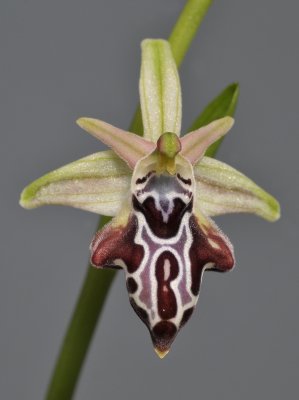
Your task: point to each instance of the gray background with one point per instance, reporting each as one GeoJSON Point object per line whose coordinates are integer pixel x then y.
{"type": "Point", "coordinates": [63, 59]}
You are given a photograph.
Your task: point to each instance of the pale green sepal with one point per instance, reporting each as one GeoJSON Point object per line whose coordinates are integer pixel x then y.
{"type": "Point", "coordinates": [160, 91]}
{"type": "Point", "coordinates": [222, 189]}
{"type": "Point", "coordinates": [130, 147]}
{"type": "Point", "coordinates": [98, 183]}
{"type": "Point", "coordinates": [195, 143]}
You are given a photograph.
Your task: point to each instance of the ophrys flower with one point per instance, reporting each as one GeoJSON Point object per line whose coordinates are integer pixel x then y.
{"type": "Point", "coordinates": [161, 191]}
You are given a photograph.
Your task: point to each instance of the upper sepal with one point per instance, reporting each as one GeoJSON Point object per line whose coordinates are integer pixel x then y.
{"type": "Point", "coordinates": [222, 189]}
{"type": "Point", "coordinates": [97, 183]}
{"type": "Point", "coordinates": [160, 90]}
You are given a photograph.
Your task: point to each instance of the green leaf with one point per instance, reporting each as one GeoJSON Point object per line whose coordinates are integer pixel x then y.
{"type": "Point", "coordinates": [222, 189]}
{"type": "Point", "coordinates": [98, 183]}
{"type": "Point", "coordinates": [160, 91]}
{"type": "Point", "coordinates": [223, 105]}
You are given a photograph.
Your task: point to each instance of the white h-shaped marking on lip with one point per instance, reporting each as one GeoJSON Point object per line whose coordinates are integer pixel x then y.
{"type": "Point", "coordinates": [184, 264]}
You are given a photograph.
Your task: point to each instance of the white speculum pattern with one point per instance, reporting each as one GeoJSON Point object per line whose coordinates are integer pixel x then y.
{"type": "Point", "coordinates": [164, 190]}
{"type": "Point", "coordinates": [146, 296]}
{"type": "Point", "coordinates": [163, 193]}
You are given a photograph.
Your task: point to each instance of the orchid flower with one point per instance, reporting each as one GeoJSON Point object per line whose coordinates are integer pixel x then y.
{"type": "Point", "coordinates": [161, 191]}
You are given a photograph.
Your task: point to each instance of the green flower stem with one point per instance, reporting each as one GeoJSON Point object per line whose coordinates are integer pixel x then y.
{"type": "Point", "coordinates": [80, 331]}
{"type": "Point", "coordinates": [186, 27]}
{"type": "Point", "coordinates": [97, 283]}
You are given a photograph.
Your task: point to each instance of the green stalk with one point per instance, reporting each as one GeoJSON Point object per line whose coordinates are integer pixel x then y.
{"type": "Point", "coordinates": [80, 330]}
{"type": "Point", "coordinates": [97, 283]}
{"type": "Point", "coordinates": [186, 27]}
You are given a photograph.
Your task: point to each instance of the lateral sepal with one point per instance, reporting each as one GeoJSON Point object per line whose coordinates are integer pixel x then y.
{"type": "Point", "coordinates": [221, 189]}
{"type": "Point", "coordinates": [98, 183]}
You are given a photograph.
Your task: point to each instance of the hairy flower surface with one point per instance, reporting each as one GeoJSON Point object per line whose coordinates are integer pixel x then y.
{"type": "Point", "coordinates": [161, 191]}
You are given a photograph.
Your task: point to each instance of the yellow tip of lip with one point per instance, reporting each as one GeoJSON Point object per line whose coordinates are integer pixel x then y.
{"type": "Point", "coordinates": [161, 354]}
